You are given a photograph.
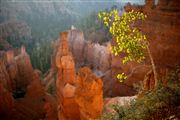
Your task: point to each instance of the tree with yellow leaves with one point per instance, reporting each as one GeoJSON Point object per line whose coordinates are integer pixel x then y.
{"type": "Point", "coordinates": [129, 39]}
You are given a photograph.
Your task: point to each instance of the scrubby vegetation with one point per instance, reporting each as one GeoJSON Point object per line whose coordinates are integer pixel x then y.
{"type": "Point", "coordinates": [162, 103]}
{"type": "Point", "coordinates": [41, 55]}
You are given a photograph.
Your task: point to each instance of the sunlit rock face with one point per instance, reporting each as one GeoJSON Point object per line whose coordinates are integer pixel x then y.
{"type": "Point", "coordinates": [162, 29]}
{"type": "Point", "coordinates": [79, 95]}
{"type": "Point", "coordinates": [22, 92]}
{"type": "Point", "coordinates": [66, 79]}
{"type": "Point", "coordinates": [89, 94]}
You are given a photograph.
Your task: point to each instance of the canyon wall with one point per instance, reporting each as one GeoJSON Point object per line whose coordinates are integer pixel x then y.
{"type": "Point", "coordinates": [162, 30]}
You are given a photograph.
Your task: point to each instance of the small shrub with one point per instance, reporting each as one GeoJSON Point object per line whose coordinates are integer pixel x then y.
{"type": "Point", "coordinates": [159, 104]}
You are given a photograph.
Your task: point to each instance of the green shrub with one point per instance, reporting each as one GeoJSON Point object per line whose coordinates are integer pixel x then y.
{"type": "Point", "coordinates": [159, 104]}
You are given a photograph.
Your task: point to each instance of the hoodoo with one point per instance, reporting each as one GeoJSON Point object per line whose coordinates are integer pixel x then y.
{"type": "Point", "coordinates": [73, 89]}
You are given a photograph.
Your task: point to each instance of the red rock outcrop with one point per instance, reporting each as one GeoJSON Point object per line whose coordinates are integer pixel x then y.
{"type": "Point", "coordinates": [5, 78]}
{"type": "Point", "coordinates": [70, 87]}
{"type": "Point", "coordinates": [89, 95]}
{"type": "Point", "coordinates": [25, 70]}
{"type": "Point", "coordinates": [50, 108]}
{"type": "Point", "coordinates": [162, 29]}
{"type": "Point", "coordinates": [22, 94]}
{"type": "Point", "coordinates": [65, 83]}
{"type": "Point", "coordinates": [6, 103]}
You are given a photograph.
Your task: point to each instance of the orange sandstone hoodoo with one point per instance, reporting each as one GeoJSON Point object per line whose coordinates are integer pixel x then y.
{"type": "Point", "coordinates": [79, 96]}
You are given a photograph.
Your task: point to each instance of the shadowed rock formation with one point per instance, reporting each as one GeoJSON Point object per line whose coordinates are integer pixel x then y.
{"type": "Point", "coordinates": [162, 27]}
{"type": "Point", "coordinates": [6, 103]}
{"type": "Point", "coordinates": [22, 94]}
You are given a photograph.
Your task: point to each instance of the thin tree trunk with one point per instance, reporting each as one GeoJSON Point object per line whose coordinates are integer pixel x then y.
{"type": "Point", "coordinates": [153, 67]}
